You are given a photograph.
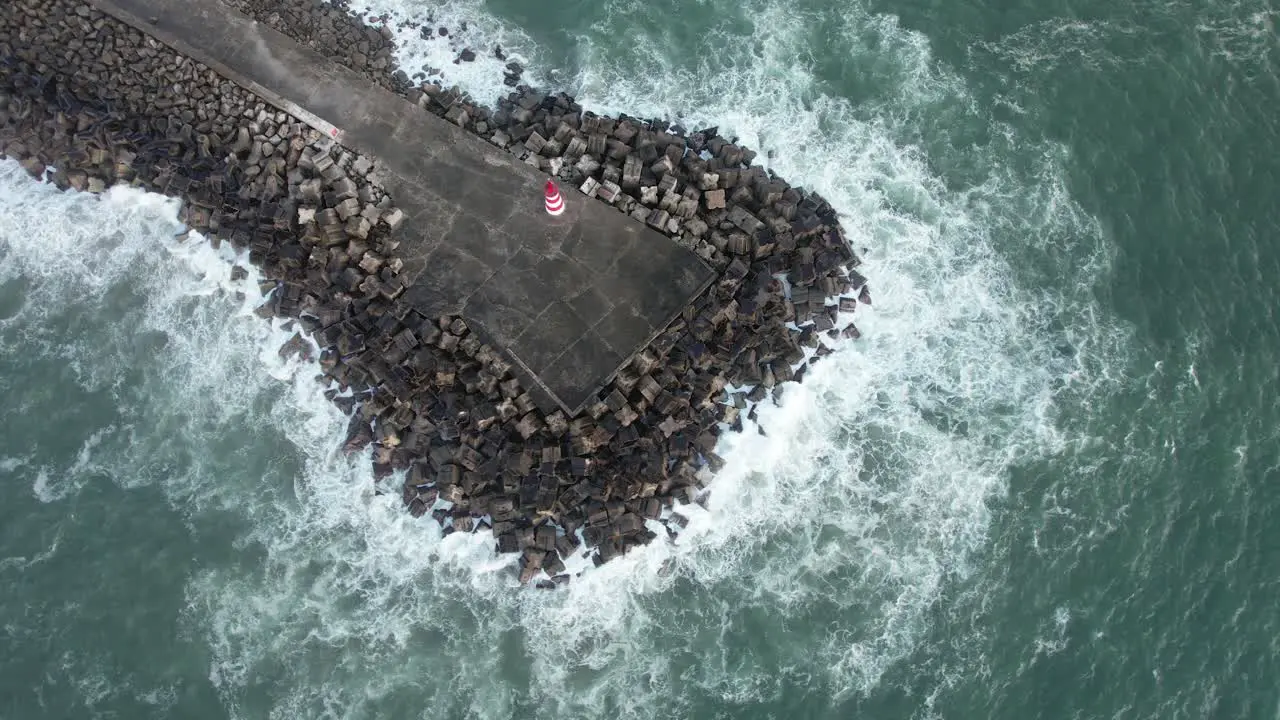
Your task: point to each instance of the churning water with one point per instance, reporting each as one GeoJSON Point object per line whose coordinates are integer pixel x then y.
{"type": "Point", "coordinates": [1034, 488]}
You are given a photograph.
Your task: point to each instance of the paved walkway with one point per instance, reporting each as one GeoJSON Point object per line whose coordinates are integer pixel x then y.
{"type": "Point", "coordinates": [570, 299]}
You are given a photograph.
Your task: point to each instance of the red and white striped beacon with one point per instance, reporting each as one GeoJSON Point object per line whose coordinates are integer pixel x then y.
{"type": "Point", "coordinates": [555, 203]}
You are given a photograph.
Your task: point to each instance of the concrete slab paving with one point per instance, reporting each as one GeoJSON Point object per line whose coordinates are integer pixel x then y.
{"type": "Point", "coordinates": [569, 299]}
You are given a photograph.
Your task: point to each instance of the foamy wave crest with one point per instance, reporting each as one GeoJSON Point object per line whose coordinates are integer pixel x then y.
{"type": "Point", "coordinates": [206, 410]}
{"type": "Point", "coordinates": [133, 308]}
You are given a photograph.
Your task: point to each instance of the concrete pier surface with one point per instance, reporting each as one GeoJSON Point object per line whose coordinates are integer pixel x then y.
{"type": "Point", "coordinates": [569, 299]}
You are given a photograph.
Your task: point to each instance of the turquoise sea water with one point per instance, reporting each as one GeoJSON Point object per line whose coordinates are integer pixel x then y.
{"type": "Point", "coordinates": [1042, 484]}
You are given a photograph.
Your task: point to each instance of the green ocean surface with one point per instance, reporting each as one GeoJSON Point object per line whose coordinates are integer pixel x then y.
{"type": "Point", "coordinates": [1040, 486]}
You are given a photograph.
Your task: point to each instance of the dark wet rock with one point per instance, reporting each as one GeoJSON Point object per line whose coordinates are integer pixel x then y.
{"type": "Point", "coordinates": [296, 347]}
{"type": "Point", "coordinates": [359, 435]}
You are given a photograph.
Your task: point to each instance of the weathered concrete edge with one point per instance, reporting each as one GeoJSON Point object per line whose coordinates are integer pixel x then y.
{"type": "Point", "coordinates": [666, 323]}
{"type": "Point", "coordinates": [525, 374]}
{"type": "Point", "coordinates": [183, 48]}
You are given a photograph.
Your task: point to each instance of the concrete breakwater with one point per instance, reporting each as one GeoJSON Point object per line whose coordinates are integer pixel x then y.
{"type": "Point", "coordinates": [435, 395]}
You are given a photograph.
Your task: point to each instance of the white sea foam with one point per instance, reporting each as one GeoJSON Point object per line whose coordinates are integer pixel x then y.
{"type": "Point", "coordinates": [866, 497]}
{"type": "Point", "coordinates": [482, 77]}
